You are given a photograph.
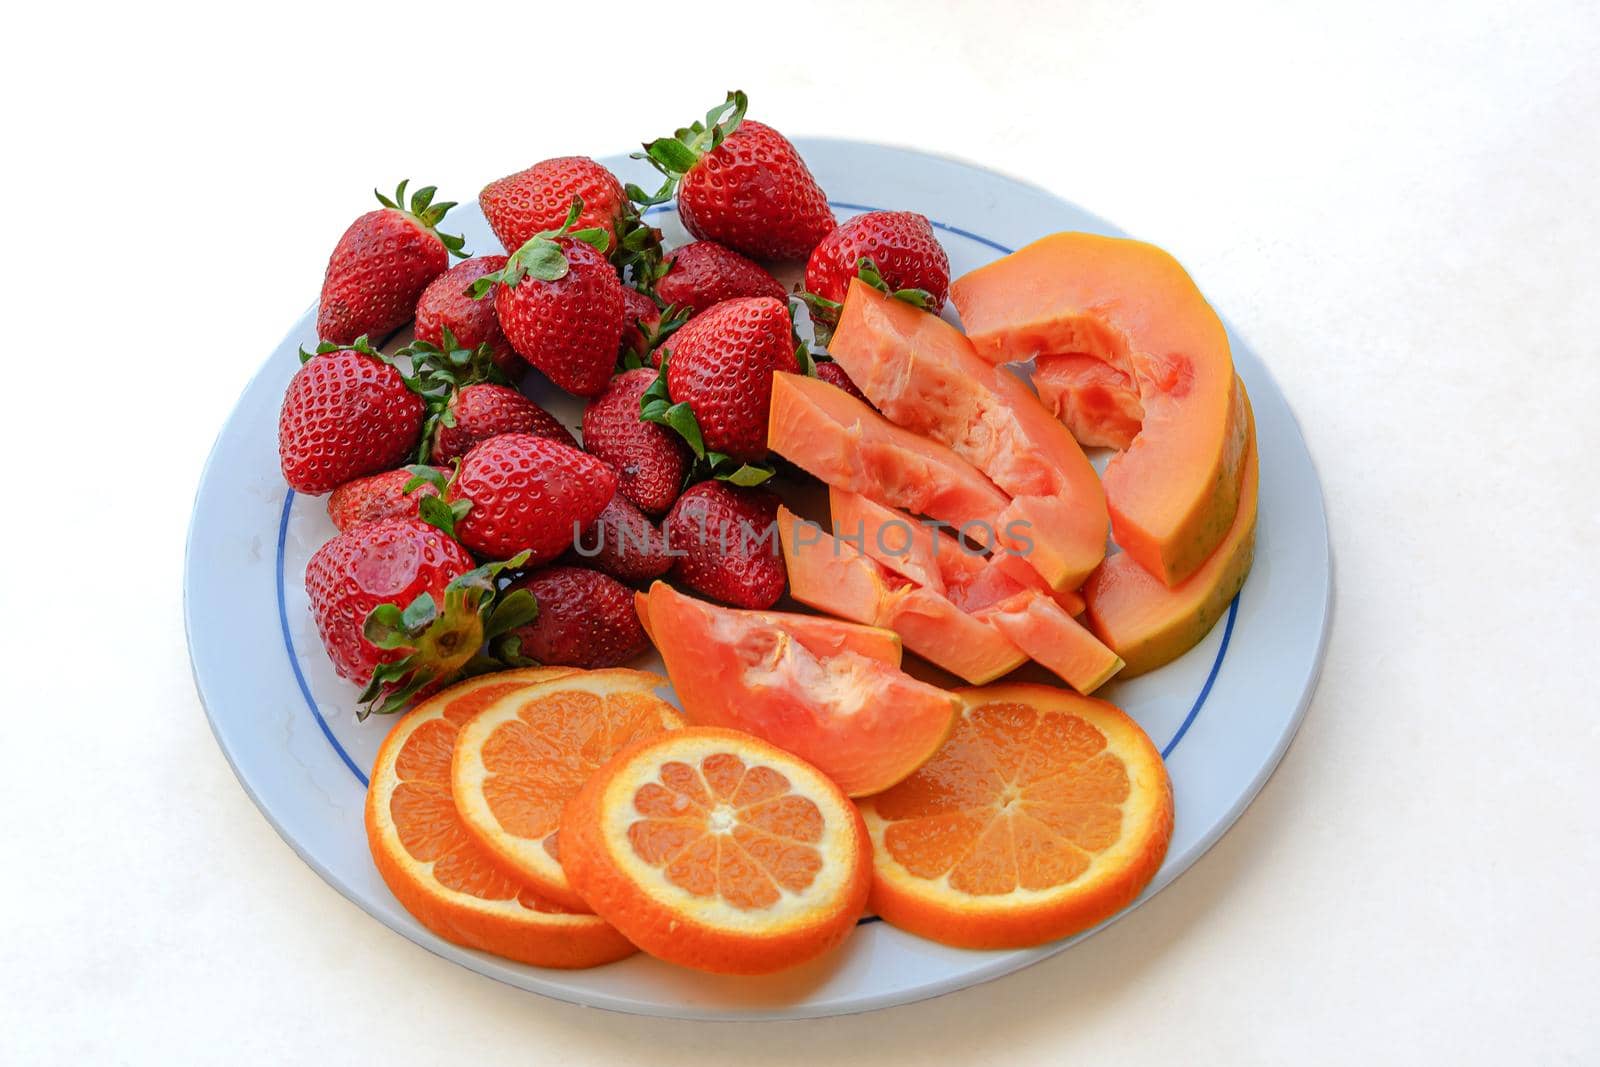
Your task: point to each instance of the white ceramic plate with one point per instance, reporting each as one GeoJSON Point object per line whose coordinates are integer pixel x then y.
{"type": "Point", "coordinates": [1223, 715]}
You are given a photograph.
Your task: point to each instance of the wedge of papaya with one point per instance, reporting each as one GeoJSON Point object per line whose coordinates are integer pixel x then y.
{"type": "Point", "coordinates": [1173, 492]}
{"type": "Point", "coordinates": [830, 575]}
{"type": "Point", "coordinates": [978, 586]}
{"type": "Point", "coordinates": [924, 375]}
{"type": "Point", "coordinates": [1149, 624]}
{"type": "Point", "coordinates": [838, 439]}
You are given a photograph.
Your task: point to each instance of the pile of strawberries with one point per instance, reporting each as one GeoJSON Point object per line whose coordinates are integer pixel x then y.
{"type": "Point", "coordinates": [475, 532]}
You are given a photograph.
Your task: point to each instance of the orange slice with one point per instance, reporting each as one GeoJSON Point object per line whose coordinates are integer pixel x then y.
{"type": "Point", "coordinates": [435, 869]}
{"type": "Point", "coordinates": [1045, 813]}
{"type": "Point", "coordinates": [522, 757]}
{"type": "Point", "coordinates": [712, 849]}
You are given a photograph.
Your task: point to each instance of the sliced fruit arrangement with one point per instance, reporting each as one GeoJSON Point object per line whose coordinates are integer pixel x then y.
{"type": "Point", "coordinates": [1149, 623]}
{"type": "Point", "coordinates": [435, 868]}
{"type": "Point", "coordinates": [518, 761]}
{"type": "Point", "coordinates": [832, 575]}
{"type": "Point", "coordinates": [923, 374]}
{"type": "Point", "coordinates": [844, 443]}
{"type": "Point", "coordinates": [1044, 814]}
{"type": "Point", "coordinates": [554, 807]}
{"type": "Point", "coordinates": [978, 586]}
{"type": "Point", "coordinates": [802, 684]}
{"type": "Point", "coordinates": [1174, 491]}
{"type": "Point", "coordinates": [715, 850]}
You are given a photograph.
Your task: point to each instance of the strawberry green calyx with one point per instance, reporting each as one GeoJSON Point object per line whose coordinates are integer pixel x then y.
{"type": "Point", "coordinates": [541, 256]}
{"type": "Point", "coordinates": [439, 372]}
{"type": "Point", "coordinates": [444, 641]}
{"type": "Point", "coordinates": [638, 252]}
{"type": "Point", "coordinates": [868, 272]}
{"type": "Point", "coordinates": [426, 213]}
{"type": "Point", "coordinates": [360, 344]}
{"type": "Point", "coordinates": [432, 509]}
{"type": "Point", "coordinates": [675, 156]}
{"type": "Point", "coordinates": [825, 312]}
{"type": "Point", "coordinates": [672, 317]}
{"type": "Point", "coordinates": [655, 405]}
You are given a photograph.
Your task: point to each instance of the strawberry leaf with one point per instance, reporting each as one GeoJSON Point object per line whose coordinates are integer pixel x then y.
{"type": "Point", "coordinates": [747, 474]}
{"type": "Point", "coordinates": [428, 214]}
{"type": "Point", "coordinates": [517, 608]}
{"type": "Point", "coordinates": [680, 417]}
{"type": "Point", "coordinates": [675, 156]}
{"type": "Point", "coordinates": [543, 260]}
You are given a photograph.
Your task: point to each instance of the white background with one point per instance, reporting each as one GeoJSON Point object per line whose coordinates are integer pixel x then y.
{"type": "Point", "coordinates": [1395, 204]}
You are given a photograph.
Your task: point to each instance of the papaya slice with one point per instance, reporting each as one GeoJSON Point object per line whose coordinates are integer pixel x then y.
{"type": "Point", "coordinates": [924, 375]}
{"type": "Point", "coordinates": [1029, 616]}
{"type": "Point", "coordinates": [833, 436]}
{"type": "Point", "coordinates": [832, 576]}
{"type": "Point", "coordinates": [858, 719]}
{"type": "Point", "coordinates": [822, 637]}
{"type": "Point", "coordinates": [1099, 403]}
{"type": "Point", "coordinates": [1149, 624]}
{"type": "Point", "coordinates": [1174, 491]}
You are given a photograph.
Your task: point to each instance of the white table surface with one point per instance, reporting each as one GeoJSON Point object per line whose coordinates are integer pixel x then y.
{"type": "Point", "coordinates": [1398, 209]}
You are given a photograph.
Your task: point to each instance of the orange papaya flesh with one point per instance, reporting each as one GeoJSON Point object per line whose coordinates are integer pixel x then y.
{"type": "Point", "coordinates": [1029, 616]}
{"type": "Point", "coordinates": [830, 575]}
{"type": "Point", "coordinates": [1149, 624]}
{"type": "Point", "coordinates": [1173, 492]}
{"type": "Point", "coordinates": [836, 438]}
{"type": "Point", "coordinates": [923, 374]}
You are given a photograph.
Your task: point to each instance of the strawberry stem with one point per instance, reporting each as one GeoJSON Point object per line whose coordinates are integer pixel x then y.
{"type": "Point", "coordinates": [675, 156]}
{"type": "Point", "coordinates": [427, 214]}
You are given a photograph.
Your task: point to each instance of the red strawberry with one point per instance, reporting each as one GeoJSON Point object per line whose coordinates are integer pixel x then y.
{"type": "Point", "coordinates": [585, 620]}
{"type": "Point", "coordinates": [532, 201]}
{"type": "Point", "coordinates": [726, 538]}
{"type": "Point", "coordinates": [651, 461]}
{"type": "Point", "coordinates": [741, 184]}
{"type": "Point", "coordinates": [447, 304]}
{"type": "Point", "coordinates": [704, 273]}
{"type": "Point", "coordinates": [832, 372]}
{"type": "Point", "coordinates": [401, 608]}
{"type": "Point", "coordinates": [381, 266]}
{"type": "Point", "coordinates": [721, 364]}
{"type": "Point", "coordinates": [905, 259]}
{"type": "Point", "coordinates": [625, 544]}
{"type": "Point", "coordinates": [482, 410]}
{"type": "Point", "coordinates": [378, 496]}
{"type": "Point", "coordinates": [560, 303]}
{"type": "Point", "coordinates": [528, 494]}
{"type": "Point", "coordinates": [643, 329]}
{"type": "Point", "coordinates": [347, 413]}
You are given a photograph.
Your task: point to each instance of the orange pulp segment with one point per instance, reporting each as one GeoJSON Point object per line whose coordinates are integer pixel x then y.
{"type": "Point", "coordinates": [1045, 813]}
{"type": "Point", "coordinates": [519, 759]}
{"type": "Point", "coordinates": [713, 849]}
{"type": "Point", "coordinates": [436, 870]}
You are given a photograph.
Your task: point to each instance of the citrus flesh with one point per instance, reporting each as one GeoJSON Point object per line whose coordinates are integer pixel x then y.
{"type": "Point", "coordinates": [520, 758]}
{"type": "Point", "coordinates": [1045, 813]}
{"type": "Point", "coordinates": [434, 867]}
{"type": "Point", "coordinates": [715, 850]}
